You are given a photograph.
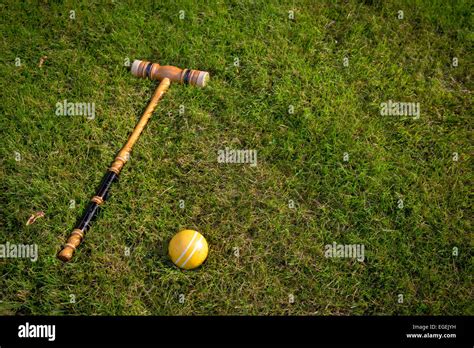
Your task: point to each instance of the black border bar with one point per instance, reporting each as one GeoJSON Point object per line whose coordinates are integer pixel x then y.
{"type": "Point", "coordinates": [329, 330]}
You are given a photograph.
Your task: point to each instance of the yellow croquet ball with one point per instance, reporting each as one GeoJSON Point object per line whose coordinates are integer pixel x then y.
{"type": "Point", "coordinates": [188, 249]}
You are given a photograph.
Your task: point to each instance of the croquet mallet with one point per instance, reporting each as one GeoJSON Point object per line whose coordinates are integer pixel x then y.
{"type": "Point", "coordinates": [166, 75]}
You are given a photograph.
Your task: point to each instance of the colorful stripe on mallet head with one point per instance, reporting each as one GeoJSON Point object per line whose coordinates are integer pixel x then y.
{"type": "Point", "coordinates": [155, 71]}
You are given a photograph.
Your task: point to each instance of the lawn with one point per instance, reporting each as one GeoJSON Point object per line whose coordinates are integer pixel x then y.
{"type": "Point", "coordinates": [300, 82]}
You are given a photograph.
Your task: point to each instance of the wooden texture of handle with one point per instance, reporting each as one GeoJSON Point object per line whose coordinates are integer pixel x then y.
{"type": "Point", "coordinates": [77, 235]}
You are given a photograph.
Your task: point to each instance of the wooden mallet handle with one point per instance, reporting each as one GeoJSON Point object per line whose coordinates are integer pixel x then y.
{"type": "Point", "coordinates": [77, 235]}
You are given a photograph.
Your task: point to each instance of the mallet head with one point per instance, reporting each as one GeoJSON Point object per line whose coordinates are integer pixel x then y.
{"type": "Point", "coordinates": [154, 71]}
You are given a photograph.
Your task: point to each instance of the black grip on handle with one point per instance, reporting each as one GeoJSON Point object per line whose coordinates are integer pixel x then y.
{"type": "Point", "coordinates": [100, 197]}
{"type": "Point", "coordinates": [84, 224]}
{"type": "Point", "coordinates": [88, 216]}
{"type": "Point", "coordinates": [107, 181]}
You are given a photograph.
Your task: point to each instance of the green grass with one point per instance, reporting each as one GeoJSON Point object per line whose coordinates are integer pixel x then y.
{"type": "Point", "coordinates": [283, 62]}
